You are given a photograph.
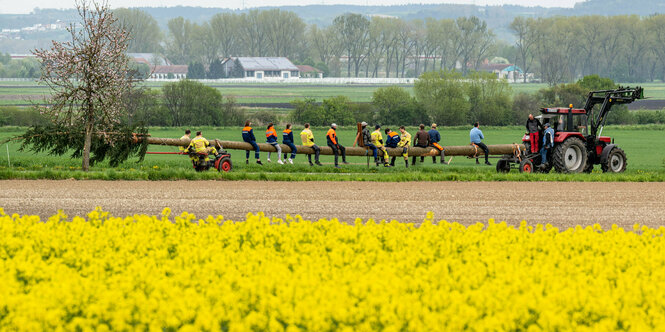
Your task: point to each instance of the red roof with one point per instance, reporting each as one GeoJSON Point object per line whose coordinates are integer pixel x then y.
{"type": "Point", "coordinates": [494, 66]}
{"type": "Point", "coordinates": [175, 69]}
{"type": "Point", "coordinates": [308, 69]}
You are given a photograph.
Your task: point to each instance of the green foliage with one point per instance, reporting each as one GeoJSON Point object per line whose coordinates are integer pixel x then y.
{"type": "Point", "coordinates": [216, 70]}
{"type": "Point", "coordinates": [306, 110]}
{"type": "Point", "coordinates": [443, 96]}
{"type": "Point", "coordinates": [563, 95]}
{"type": "Point", "coordinates": [337, 110]}
{"type": "Point", "coordinates": [20, 68]}
{"type": "Point", "coordinates": [265, 117]}
{"type": "Point", "coordinates": [232, 115]}
{"type": "Point", "coordinates": [523, 105]}
{"type": "Point", "coordinates": [24, 117]}
{"type": "Point", "coordinates": [59, 140]}
{"type": "Point", "coordinates": [489, 99]}
{"type": "Point", "coordinates": [595, 82]}
{"type": "Point", "coordinates": [193, 103]}
{"type": "Point", "coordinates": [396, 106]}
{"type": "Point", "coordinates": [195, 70]}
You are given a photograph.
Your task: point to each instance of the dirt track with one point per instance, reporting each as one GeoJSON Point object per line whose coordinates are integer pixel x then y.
{"type": "Point", "coordinates": [561, 204]}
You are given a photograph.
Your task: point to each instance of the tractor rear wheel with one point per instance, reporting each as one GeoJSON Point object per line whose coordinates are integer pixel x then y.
{"type": "Point", "coordinates": [570, 156]}
{"type": "Point", "coordinates": [616, 161]}
{"type": "Point", "coordinates": [503, 166]}
{"type": "Point", "coordinates": [526, 166]}
{"type": "Point", "coordinates": [225, 164]}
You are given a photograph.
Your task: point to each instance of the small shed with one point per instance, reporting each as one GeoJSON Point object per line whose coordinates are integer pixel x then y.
{"type": "Point", "coordinates": [307, 71]}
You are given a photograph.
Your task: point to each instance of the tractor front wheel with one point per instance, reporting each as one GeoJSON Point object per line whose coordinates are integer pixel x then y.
{"type": "Point", "coordinates": [570, 156]}
{"type": "Point", "coordinates": [526, 166]}
{"type": "Point", "coordinates": [616, 161]}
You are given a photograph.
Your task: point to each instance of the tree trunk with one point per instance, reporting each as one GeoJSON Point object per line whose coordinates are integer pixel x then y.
{"type": "Point", "coordinates": [465, 150]}
{"type": "Point", "coordinates": [87, 144]}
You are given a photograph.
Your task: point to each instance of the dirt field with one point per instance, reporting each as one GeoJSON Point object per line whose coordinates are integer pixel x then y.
{"type": "Point", "coordinates": [561, 204]}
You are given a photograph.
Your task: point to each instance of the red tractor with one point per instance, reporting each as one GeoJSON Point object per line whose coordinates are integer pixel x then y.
{"type": "Point", "coordinates": [578, 144]}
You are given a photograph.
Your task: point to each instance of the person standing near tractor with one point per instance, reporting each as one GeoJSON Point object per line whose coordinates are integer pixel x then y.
{"type": "Point", "coordinates": [248, 136]}
{"type": "Point", "coordinates": [308, 140]}
{"type": "Point", "coordinates": [548, 143]}
{"type": "Point", "coordinates": [271, 138]}
{"type": "Point", "coordinates": [404, 142]}
{"type": "Point", "coordinates": [377, 140]}
{"type": "Point", "coordinates": [333, 143]}
{"type": "Point", "coordinates": [287, 139]}
{"type": "Point", "coordinates": [201, 146]}
{"type": "Point", "coordinates": [421, 141]}
{"type": "Point", "coordinates": [476, 135]}
{"type": "Point", "coordinates": [434, 139]}
{"type": "Point", "coordinates": [533, 127]}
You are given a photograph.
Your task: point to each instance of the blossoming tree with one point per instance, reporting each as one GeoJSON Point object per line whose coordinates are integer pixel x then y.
{"type": "Point", "coordinates": [88, 76]}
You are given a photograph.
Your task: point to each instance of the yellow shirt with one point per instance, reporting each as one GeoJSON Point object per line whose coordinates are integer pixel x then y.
{"type": "Point", "coordinates": [307, 137]}
{"type": "Point", "coordinates": [377, 138]}
{"type": "Point", "coordinates": [405, 139]}
{"type": "Point", "coordinates": [199, 144]}
{"type": "Point", "coordinates": [182, 148]}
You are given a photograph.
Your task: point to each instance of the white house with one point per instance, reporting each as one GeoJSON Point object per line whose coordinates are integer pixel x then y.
{"type": "Point", "coordinates": [260, 68]}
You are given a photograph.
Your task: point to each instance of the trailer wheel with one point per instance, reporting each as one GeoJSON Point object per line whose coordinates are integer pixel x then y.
{"type": "Point", "coordinates": [503, 166]}
{"type": "Point", "coordinates": [225, 164]}
{"type": "Point", "coordinates": [570, 156]}
{"type": "Point", "coordinates": [526, 166]}
{"type": "Point", "coordinates": [616, 161]}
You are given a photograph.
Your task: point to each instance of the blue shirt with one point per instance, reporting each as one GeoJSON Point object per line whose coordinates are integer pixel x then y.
{"type": "Point", "coordinates": [476, 135]}
{"type": "Point", "coordinates": [434, 136]}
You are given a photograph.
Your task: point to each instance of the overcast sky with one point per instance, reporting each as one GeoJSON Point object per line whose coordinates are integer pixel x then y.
{"type": "Point", "coordinates": [26, 6]}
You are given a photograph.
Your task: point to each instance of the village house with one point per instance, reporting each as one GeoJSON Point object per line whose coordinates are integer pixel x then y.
{"type": "Point", "coordinates": [307, 71]}
{"type": "Point", "coordinates": [260, 68]}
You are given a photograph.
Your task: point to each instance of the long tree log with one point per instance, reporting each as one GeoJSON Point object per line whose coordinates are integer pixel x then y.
{"type": "Point", "coordinates": [465, 150]}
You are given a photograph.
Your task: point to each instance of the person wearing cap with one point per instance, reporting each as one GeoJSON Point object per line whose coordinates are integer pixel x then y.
{"type": "Point", "coordinates": [548, 142]}
{"type": "Point", "coordinates": [333, 143]}
{"type": "Point", "coordinates": [421, 141]}
{"type": "Point", "coordinates": [377, 140]}
{"type": "Point", "coordinates": [404, 142]}
{"type": "Point", "coordinates": [367, 141]}
{"type": "Point", "coordinates": [533, 127]}
{"type": "Point", "coordinates": [434, 139]}
{"type": "Point", "coordinates": [307, 138]}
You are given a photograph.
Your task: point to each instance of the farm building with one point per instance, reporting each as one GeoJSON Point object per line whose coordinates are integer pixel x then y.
{"type": "Point", "coordinates": [507, 71]}
{"type": "Point", "coordinates": [174, 71]}
{"type": "Point", "coordinates": [309, 72]}
{"type": "Point", "coordinates": [260, 68]}
{"type": "Point", "coordinates": [149, 59]}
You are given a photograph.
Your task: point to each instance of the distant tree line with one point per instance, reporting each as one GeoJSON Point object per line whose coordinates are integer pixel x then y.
{"type": "Point", "coordinates": [556, 49]}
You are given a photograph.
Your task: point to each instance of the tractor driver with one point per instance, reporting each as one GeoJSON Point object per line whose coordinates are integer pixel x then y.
{"type": "Point", "coordinates": [200, 145]}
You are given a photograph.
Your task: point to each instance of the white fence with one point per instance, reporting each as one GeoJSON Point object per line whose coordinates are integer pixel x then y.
{"type": "Point", "coordinates": [313, 81]}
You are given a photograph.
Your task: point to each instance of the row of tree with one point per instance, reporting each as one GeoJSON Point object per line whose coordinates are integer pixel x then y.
{"type": "Point", "coordinates": [625, 48]}
{"type": "Point", "coordinates": [557, 49]}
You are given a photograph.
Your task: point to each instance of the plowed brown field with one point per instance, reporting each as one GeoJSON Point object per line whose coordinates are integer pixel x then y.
{"type": "Point", "coordinates": [561, 204]}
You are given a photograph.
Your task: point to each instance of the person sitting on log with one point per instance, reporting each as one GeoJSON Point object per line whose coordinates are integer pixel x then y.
{"type": "Point", "coordinates": [287, 139]}
{"type": "Point", "coordinates": [476, 135]}
{"type": "Point", "coordinates": [377, 140]}
{"type": "Point", "coordinates": [333, 143]}
{"type": "Point", "coordinates": [271, 138]}
{"type": "Point", "coordinates": [308, 140]}
{"type": "Point", "coordinates": [392, 140]}
{"type": "Point", "coordinates": [434, 139]}
{"type": "Point", "coordinates": [183, 150]}
{"type": "Point", "coordinates": [201, 146]}
{"type": "Point", "coordinates": [367, 141]}
{"type": "Point", "coordinates": [248, 136]}
{"type": "Point", "coordinates": [404, 142]}
{"type": "Point", "coordinates": [421, 141]}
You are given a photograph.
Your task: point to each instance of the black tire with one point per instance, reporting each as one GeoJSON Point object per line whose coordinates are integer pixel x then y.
{"type": "Point", "coordinates": [616, 161]}
{"type": "Point", "coordinates": [589, 167]}
{"type": "Point", "coordinates": [503, 166]}
{"type": "Point", "coordinates": [526, 166]}
{"type": "Point", "coordinates": [570, 156]}
{"type": "Point", "coordinates": [225, 164]}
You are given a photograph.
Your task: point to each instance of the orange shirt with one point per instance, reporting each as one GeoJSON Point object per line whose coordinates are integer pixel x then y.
{"type": "Point", "coordinates": [332, 136]}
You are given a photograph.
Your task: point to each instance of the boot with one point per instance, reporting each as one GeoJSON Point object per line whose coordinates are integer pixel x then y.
{"type": "Point", "coordinates": [433, 159]}
{"type": "Point", "coordinates": [406, 163]}
{"type": "Point", "coordinates": [318, 163]}
{"type": "Point", "coordinates": [246, 161]}
{"type": "Point", "coordinates": [259, 162]}
{"type": "Point", "coordinates": [443, 158]}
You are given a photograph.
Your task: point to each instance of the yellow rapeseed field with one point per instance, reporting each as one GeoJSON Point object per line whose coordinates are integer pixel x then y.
{"type": "Point", "coordinates": [181, 273]}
